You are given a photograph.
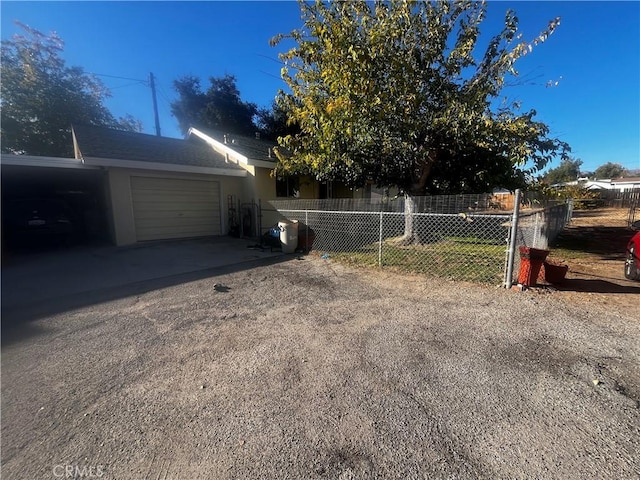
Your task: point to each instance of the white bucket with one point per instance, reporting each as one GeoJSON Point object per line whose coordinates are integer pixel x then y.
{"type": "Point", "coordinates": [288, 236]}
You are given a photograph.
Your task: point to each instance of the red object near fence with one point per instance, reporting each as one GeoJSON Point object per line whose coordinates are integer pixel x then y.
{"type": "Point", "coordinates": [531, 260]}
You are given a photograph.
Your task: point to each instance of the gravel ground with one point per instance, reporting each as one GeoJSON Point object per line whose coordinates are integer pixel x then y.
{"type": "Point", "coordinates": [310, 369]}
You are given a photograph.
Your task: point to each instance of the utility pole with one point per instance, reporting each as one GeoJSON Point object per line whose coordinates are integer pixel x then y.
{"type": "Point", "coordinates": [152, 83]}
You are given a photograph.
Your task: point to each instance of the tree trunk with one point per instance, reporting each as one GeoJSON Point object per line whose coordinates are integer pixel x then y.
{"type": "Point", "coordinates": [410, 236]}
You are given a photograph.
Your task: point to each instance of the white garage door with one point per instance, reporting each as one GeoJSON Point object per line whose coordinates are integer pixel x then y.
{"type": "Point", "coordinates": [166, 208]}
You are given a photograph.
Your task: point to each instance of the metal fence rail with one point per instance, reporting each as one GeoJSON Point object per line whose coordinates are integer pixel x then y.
{"type": "Point", "coordinates": [456, 237]}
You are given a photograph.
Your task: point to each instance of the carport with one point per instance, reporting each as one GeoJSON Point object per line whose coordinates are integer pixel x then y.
{"type": "Point", "coordinates": [81, 187]}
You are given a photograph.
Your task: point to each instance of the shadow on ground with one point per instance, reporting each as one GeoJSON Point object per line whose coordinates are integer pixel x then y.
{"type": "Point", "coordinates": [609, 243]}
{"type": "Point", "coordinates": [595, 286]}
{"type": "Point", "coordinates": [54, 282]}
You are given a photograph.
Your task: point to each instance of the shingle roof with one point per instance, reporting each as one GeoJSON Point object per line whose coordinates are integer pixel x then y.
{"type": "Point", "coordinates": [251, 147]}
{"type": "Point", "coordinates": [626, 180]}
{"type": "Point", "coordinates": [104, 142]}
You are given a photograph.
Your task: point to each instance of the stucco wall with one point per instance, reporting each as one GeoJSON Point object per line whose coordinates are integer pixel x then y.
{"type": "Point", "coordinates": [265, 185]}
{"type": "Point", "coordinates": [120, 204]}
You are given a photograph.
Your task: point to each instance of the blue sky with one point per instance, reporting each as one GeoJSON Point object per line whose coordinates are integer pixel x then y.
{"type": "Point", "coordinates": [594, 54]}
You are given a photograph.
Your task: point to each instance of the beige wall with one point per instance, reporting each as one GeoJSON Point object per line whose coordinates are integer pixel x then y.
{"type": "Point", "coordinates": [265, 184]}
{"type": "Point", "coordinates": [120, 204]}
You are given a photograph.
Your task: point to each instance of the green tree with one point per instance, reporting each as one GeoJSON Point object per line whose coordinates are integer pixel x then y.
{"type": "Point", "coordinates": [275, 122]}
{"type": "Point", "coordinates": [41, 97]}
{"type": "Point", "coordinates": [130, 123]}
{"type": "Point", "coordinates": [610, 170]}
{"type": "Point", "coordinates": [567, 171]}
{"type": "Point", "coordinates": [392, 92]}
{"type": "Point", "coordinates": [219, 108]}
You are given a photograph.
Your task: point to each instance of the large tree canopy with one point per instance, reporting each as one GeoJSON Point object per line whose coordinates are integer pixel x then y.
{"type": "Point", "coordinates": [610, 170]}
{"type": "Point", "coordinates": [219, 108]}
{"type": "Point", "coordinates": [274, 122]}
{"type": "Point", "coordinates": [393, 92]}
{"type": "Point", "coordinates": [567, 171]}
{"type": "Point", "coordinates": [41, 97]}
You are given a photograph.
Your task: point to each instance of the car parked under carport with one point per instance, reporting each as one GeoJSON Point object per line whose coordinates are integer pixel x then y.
{"type": "Point", "coordinates": [52, 201]}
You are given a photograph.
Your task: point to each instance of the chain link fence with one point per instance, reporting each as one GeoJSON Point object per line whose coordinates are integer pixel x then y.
{"type": "Point", "coordinates": [539, 228]}
{"type": "Point", "coordinates": [460, 237]}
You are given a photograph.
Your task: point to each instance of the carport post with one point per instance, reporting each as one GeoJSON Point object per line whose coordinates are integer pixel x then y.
{"type": "Point", "coordinates": [508, 281]}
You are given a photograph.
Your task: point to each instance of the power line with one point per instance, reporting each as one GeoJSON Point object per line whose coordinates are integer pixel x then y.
{"type": "Point", "coordinates": [146, 82]}
{"type": "Point", "coordinates": [163, 94]}
{"type": "Point", "coordinates": [270, 75]}
{"type": "Point", "coordinates": [125, 85]}
{"type": "Point", "coordinates": [271, 58]}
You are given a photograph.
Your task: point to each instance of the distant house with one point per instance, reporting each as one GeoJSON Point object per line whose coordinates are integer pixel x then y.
{"type": "Point", "coordinates": [625, 184]}
{"type": "Point", "coordinates": [616, 184]}
{"type": "Point", "coordinates": [586, 183]}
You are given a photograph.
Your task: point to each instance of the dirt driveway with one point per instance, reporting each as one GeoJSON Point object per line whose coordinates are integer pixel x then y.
{"type": "Point", "coordinates": [594, 248]}
{"type": "Point", "coordinates": [309, 369]}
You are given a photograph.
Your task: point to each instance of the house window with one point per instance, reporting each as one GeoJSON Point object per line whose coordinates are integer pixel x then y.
{"type": "Point", "coordinates": [288, 187]}
{"type": "Point", "coordinates": [326, 190]}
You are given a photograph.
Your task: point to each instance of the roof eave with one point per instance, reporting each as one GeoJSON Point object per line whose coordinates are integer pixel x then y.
{"type": "Point", "coordinates": [41, 161]}
{"type": "Point", "coordinates": [166, 167]}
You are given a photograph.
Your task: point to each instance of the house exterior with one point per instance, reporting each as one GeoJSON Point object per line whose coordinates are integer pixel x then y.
{"type": "Point", "coordinates": [159, 188]}
{"type": "Point", "coordinates": [129, 187]}
{"type": "Point", "coordinates": [257, 157]}
{"type": "Point", "coordinates": [133, 187]}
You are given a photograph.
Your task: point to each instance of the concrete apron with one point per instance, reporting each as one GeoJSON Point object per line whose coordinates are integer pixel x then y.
{"type": "Point", "coordinates": [37, 277]}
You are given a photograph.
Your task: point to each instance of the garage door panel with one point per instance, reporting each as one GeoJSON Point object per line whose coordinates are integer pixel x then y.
{"type": "Point", "coordinates": [183, 222]}
{"type": "Point", "coordinates": [182, 199]}
{"type": "Point", "coordinates": [176, 214]}
{"type": "Point", "coordinates": [176, 184]}
{"type": "Point", "coordinates": [167, 208]}
{"type": "Point", "coordinates": [185, 231]}
{"type": "Point", "coordinates": [167, 234]}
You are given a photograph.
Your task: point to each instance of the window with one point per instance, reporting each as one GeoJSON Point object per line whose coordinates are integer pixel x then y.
{"type": "Point", "coordinates": [288, 187]}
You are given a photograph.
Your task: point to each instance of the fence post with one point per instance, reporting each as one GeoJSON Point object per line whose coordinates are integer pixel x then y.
{"type": "Point", "coordinates": [508, 280]}
{"type": "Point", "coordinates": [380, 243]}
{"type": "Point", "coordinates": [569, 211]}
{"type": "Point", "coordinates": [306, 229]}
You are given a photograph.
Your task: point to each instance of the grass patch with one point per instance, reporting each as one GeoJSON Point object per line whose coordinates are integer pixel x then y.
{"type": "Point", "coordinates": [474, 240]}
{"type": "Point", "coordinates": [569, 253]}
{"type": "Point", "coordinates": [468, 261]}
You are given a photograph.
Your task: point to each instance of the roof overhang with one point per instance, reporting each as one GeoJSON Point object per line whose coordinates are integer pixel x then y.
{"type": "Point", "coordinates": [229, 153]}
{"type": "Point", "coordinates": [164, 167]}
{"type": "Point", "coordinates": [44, 162]}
